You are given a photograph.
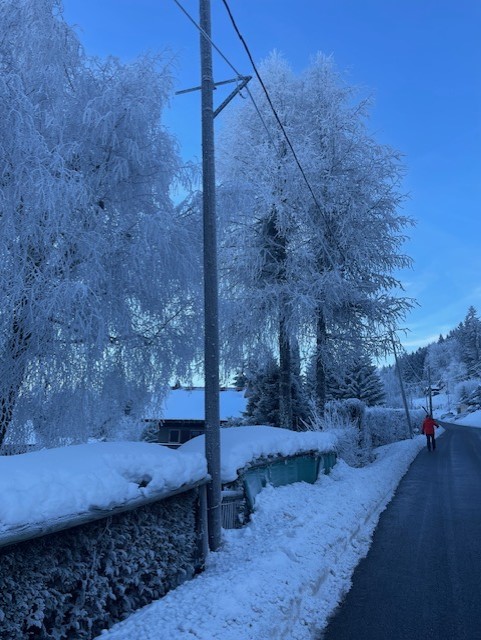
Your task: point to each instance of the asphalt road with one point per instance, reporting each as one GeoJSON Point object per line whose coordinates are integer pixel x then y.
{"type": "Point", "coordinates": [422, 576]}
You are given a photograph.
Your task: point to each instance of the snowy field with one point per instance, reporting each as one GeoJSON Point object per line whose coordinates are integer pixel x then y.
{"type": "Point", "coordinates": [283, 574]}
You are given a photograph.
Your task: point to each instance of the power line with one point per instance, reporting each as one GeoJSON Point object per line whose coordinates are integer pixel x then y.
{"type": "Point", "coordinates": [276, 115]}
{"type": "Point", "coordinates": [227, 61]}
{"type": "Point", "coordinates": [278, 120]}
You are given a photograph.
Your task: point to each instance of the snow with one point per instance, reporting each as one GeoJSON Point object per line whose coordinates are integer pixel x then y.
{"type": "Point", "coordinates": [185, 404]}
{"type": "Point", "coordinates": [469, 420]}
{"type": "Point", "coordinates": [283, 574]}
{"type": "Point", "coordinates": [442, 405]}
{"type": "Point", "coordinates": [241, 445]}
{"type": "Point", "coordinates": [45, 485]}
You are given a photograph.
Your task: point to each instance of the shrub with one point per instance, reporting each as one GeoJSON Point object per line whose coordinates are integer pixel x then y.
{"type": "Point", "coordinates": [387, 425]}
{"type": "Point", "coordinates": [74, 583]}
{"type": "Point", "coordinates": [346, 418]}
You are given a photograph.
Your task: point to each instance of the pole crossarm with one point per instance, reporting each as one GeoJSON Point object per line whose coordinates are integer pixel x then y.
{"type": "Point", "coordinates": [232, 95]}
{"type": "Point", "coordinates": [241, 80]}
{"type": "Point", "coordinates": [216, 84]}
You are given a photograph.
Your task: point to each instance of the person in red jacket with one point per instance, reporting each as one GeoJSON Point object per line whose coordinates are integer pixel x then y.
{"type": "Point", "coordinates": [428, 429]}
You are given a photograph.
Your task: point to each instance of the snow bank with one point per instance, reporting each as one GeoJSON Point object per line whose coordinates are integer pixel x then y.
{"type": "Point", "coordinates": [45, 485]}
{"type": "Point", "coordinates": [470, 420]}
{"type": "Point", "coordinates": [241, 445]}
{"type": "Point", "coordinates": [282, 575]}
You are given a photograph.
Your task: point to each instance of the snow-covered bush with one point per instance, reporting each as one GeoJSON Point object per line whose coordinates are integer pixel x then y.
{"type": "Point", "coordinates": [74, 583]}
{"type": "Point", "coordinates": [387, 425]}
{"type": "Point", "coordinates": [466, 392]}
{"type": "Point", "coordinates": [346, 418]}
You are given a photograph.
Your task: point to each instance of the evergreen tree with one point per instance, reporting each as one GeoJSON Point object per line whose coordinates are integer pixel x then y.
{"type": "Point", "coordinates": [469, 336]}
{"type": "Point", "coordinates": [263, 406]}
{"type": "Point", "coordinates": [362, 382]}
{"type": "Point", "coordinates": [263, 394]}
{"type": "Point", "coordinates": [240, 381]}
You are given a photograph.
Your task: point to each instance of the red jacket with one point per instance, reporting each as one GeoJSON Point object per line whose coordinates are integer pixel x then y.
{"type": "Point", "coordinates": [428, 425]}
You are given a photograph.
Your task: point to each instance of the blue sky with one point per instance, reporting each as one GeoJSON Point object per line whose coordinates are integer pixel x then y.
{"type": "Point", "coordinates": [419, 59]}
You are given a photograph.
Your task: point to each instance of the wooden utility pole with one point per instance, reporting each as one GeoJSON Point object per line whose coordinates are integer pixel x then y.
{"type": "Point", "coordinates": [211, 319]}
{"type": "Point", "coordinates": [403, 394]}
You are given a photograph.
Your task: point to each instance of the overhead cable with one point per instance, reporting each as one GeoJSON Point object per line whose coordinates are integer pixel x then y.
{"type": "Point", "coordinates": [227, 61]}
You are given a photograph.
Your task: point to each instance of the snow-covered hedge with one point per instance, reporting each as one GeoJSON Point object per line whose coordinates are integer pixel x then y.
{"type": "Point", "coordinates": [74, 583]}
{"type": "Point", "coordinates": [387, 425]}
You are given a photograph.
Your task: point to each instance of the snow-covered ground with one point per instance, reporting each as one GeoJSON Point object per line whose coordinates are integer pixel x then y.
{"type": "Point", "coordinates": [444, 410]}
{"type": "Point", "coordinates": [279, 577]}
{"type": "Point", "coordinates": [469, 420]}
{"type": "Point", "coordinates": [284, 573]}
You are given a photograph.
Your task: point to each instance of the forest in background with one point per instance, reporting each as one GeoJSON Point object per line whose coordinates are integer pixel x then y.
{"type": "Point", "coordinates": [452, 366]}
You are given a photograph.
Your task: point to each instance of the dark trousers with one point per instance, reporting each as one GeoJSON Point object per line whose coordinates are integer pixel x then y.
{"type": "Point", "coordinates": [430, 441]}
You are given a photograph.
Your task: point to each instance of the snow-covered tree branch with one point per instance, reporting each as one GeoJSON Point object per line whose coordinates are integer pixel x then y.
{"type": "Point", "coordinates": [96, 286]}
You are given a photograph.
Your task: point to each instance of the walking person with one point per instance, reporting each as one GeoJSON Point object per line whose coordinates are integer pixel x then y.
{"type": "Point", "coordinates": [428, 429]}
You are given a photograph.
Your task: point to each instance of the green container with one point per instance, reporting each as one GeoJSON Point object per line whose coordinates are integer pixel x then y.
{"type": "Point", "coordinates": [285, 471]}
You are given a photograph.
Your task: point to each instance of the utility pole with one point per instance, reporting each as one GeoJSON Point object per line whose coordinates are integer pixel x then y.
{"type": "Point", "coordinates": [430, 392]}
{"type": "Point", "coordinates": [211, 304]}
{"type": "Point", "coordinates": [398, 367]}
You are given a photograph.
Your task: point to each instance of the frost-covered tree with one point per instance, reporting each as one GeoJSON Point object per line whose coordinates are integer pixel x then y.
{"type": "Point", "coordinates": [96, 300]}
{"type": "Point", "coordinates": [391, 388]}
{"type": "Point", "coordinates": [331, 248]}
{"type": "Point", "coordinates": [443, 364]}
{"type": "Point", "coordinates": [361, 381]}
{"type": "Point", "coordinates": [263, 394]}
{"type": "Point", "coordinates": [263, 406]}
{"type": "Point", "coordinates": [469, 337]}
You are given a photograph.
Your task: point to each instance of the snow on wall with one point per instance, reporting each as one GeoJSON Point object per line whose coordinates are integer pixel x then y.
{"type": "Point", "coordinates": [241, 445]}
{"type": "Point", "coordinates": [45, 485]}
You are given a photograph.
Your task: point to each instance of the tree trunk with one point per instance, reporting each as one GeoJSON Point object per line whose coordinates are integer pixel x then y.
{"type": "Point", "coordinates": [285, 386]}
{"type": "Point", "coordinates": [321, 382]}
{"type": "Point", "coordinates": [17, 348]}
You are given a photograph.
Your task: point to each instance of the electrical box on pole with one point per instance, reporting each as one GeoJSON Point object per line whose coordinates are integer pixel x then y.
{"type": "Point", "coordinates": [211, 316]}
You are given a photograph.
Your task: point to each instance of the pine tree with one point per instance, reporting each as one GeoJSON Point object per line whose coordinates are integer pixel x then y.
{"type": "Point", "coordinates": [362, 382]}
{"type": "Point", "coordinates": [263, 394]}
{"type": "Point", "coordinates": [240, 381]}
{"type": "Point", "coordinates": [469, 336]}
{"type": "Point", "coordinates": [263, 406]}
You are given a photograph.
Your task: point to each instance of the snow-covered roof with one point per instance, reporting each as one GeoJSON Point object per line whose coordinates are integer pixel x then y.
{"type": "Point", "coordinates": [45, 485]}
{"type": "Point", "coordinates": [189, 405]}
{"type": "Point", "coordinates": [241, 446]}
